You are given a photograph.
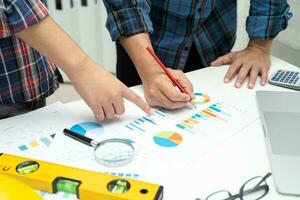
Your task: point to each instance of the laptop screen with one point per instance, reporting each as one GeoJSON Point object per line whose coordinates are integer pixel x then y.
{"type": "Point", "coordinates": [283, 129]}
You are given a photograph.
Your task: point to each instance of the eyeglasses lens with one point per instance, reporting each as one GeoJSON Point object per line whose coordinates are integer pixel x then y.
{"type": "Point", "coordinates": [253, 189]}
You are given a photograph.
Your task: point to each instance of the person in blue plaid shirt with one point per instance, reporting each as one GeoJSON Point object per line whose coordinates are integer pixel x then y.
{"type": "Point", "coordinates": [27, 77]}
{"type": "Point", "coordinates": [189, 35]}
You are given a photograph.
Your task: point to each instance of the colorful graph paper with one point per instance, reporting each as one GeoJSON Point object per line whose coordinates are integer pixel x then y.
{"type": "Point", "coordinates": [213, 112]}
{"type": "Point", "coordinates": [143, 122]}
{"type": "Point", "coordinates": [46, 141]}
{"type": "Point", "coordinates": [201, 98]}
{"type": "Point", "coordinates": [84, 127]}
{"type": "Point", "coordinates": [168, 139]}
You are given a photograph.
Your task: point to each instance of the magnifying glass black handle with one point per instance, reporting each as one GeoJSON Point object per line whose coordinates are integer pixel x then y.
{"type": "Point", "coordinates": [78, 137]}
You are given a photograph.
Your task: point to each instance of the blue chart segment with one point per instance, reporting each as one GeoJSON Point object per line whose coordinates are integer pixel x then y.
{"type": "Point", "coordinates": [35, 143]}
{"type": "Point", "coordinates": [168, 139]}
{"type": "Point", "coordinates": [142, 123]}
{"type": "Point", "coordinates": [201, 98]}
{"type": "Point", "coordinates": [84, 127]}
{"type": "Point", "coordinates": [161, 112]}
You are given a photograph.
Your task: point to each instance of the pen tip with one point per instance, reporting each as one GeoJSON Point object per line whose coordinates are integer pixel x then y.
{"type": "Point", "coordinates": [194, 106]}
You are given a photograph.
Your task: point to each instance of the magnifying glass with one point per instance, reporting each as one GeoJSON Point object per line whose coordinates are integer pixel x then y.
{"type": "Point", "coordinates": [113, 152]}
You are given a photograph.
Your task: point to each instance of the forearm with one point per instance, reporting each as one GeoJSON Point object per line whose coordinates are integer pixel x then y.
{"type": "Point", "coordinates": [49, 39]}
{"type": "Point", "coordinates": [127, 18]}
{"type": "Point", "coordinates": [135, 46]}
{"type": "Point", "coordinates": [102, 92]}
{"type": "Point", "coordinates": [267, 18]}
{"type": "Point", "coordinates": [264, 45]}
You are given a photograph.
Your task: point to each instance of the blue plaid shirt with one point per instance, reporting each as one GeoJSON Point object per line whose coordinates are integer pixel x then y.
{"type": "Point", "coordinates": [174, 25]}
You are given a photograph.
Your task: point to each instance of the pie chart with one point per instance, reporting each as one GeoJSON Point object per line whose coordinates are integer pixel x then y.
{"type": "Point", "coordinates": [167, 139]}
{"type": "Point", "coordinates": [201, 98]}
{"type": "Point", "coordinates": [87, 128]}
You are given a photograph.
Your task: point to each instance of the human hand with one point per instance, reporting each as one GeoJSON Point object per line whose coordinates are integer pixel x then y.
{"type": "Point", "coordinates": [252, 62]}
{"type": "Point", "coordinates": [104, 93]}
{"type": "Point", "coordinates": [160, 91]}
{"type": "Point", "coordinates": [101, 91]}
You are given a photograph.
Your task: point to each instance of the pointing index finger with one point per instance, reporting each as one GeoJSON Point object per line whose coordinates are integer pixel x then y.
{"type": "Point", "coordinates": [137, 100]}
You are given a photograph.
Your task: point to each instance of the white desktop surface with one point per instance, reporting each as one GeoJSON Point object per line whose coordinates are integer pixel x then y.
{"type": "Point", "coordinates": [230, 164]}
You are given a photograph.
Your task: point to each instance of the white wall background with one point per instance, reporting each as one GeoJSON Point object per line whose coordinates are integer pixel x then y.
{"type": "Point", "coordinates": [287, 44]}
{"type": "Point", "coordinates": [85, 20]}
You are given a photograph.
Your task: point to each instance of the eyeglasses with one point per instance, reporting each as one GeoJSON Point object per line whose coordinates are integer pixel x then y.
{"type": "Point", "coordinates": [253, 189]}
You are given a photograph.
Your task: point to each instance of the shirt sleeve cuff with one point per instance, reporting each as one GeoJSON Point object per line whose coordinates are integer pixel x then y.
{"type": "Point", "coordinates": [128, 21]}
{"type": "Point", "coordinates": [21, 14]}
{"type": "Point", "coordinates": [266, 27]}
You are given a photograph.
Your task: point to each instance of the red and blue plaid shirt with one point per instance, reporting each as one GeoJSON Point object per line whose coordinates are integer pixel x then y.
{"type": "Point", "coordinates": [174, 25]}
{"type": "Point", "coordinates": [25, 74]}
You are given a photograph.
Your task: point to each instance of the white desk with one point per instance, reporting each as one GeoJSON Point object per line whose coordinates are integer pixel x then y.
{"type": "Point", "coordinates": [230, 164]}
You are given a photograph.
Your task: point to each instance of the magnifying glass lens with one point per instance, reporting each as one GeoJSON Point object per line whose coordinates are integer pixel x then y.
{"type": "Point", "coordinates": [114, 153]}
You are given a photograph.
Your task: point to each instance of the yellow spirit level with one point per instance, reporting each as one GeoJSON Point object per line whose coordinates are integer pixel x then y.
{"type": "Point", "coordinates": [87, 185]}
{"type": "Point", "coordinates": [9, 186]}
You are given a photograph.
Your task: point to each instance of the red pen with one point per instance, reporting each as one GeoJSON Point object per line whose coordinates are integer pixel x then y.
{"type": "Point", "coordinates": [169, 74]}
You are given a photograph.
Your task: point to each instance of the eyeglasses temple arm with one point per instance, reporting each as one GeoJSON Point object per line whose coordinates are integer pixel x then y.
{"type": "Point", "coordinates": [263, 179]}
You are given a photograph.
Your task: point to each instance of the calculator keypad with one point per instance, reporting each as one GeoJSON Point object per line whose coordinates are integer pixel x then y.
{"type": "Point", "coordinates": [288, 77]}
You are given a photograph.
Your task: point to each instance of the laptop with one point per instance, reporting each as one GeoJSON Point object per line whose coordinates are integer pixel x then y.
{"type": "Point", "coordinates": [280, 118]}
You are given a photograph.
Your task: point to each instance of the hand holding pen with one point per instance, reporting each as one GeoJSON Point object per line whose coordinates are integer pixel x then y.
{"type": "Point", "coordinates": [170, 75]}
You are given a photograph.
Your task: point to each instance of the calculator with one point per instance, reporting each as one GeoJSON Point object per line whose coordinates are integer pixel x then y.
{"type": "Point", "coordinates": [286, 78]}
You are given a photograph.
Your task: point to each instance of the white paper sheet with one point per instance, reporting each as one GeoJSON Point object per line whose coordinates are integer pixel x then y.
{"type": "Point", "coordinates": [57, 196]}
{"type": "Point", "coordinates": [164, 140]}
{"type": "Point", "coordinates": [32, 134]}
{"type": "Point", "coordinates": [73, 153]}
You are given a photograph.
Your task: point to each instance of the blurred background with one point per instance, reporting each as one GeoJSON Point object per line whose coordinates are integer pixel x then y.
{"type": "Point", "coordinates": [85, 20]}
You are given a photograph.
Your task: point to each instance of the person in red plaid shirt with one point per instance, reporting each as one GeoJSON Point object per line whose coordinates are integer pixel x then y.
{"type": "Point", "coordinates": [30, 43]}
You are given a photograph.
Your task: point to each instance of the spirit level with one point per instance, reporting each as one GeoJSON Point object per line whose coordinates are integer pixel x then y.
{"type": "Point", "coordinates": [87, 185]}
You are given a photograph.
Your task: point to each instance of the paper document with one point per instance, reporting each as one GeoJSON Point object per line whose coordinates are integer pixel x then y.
{"type": "Point", "coordinates": [31, 135]}
{"type": "Point", "coordinates": [161, 141]}
{"type": "Point", "coordinates": [57, 196]}
{"type": "Point", "coordinates": [166, 139]}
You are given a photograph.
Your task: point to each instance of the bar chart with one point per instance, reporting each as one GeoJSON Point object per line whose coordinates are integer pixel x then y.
{"type": "Point", "coordinates": [146, 122]}
{"type": "Point", "coordinates": [36, 143]}
{"type": "Point", "coordinates": [200, 121]}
